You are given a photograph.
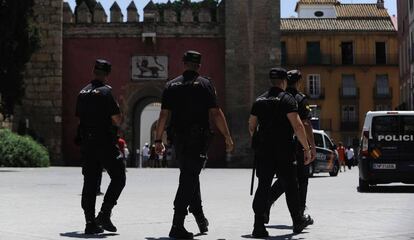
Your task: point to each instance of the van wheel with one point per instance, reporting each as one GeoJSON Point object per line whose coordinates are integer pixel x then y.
{"type": "Point", "coordinates": [335, 170]}
{"type": "Point", "coordinates": [363, 186]}
{"type": "Point", "coordinates": [311, 171]}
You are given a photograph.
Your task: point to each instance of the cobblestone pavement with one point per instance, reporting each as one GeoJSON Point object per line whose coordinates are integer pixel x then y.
{"type": "Point", "coordinates": [45, 204]}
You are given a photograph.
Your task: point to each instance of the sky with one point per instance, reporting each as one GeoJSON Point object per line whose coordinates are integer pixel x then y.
{"type": "Point", "coordinates": [287, 10]}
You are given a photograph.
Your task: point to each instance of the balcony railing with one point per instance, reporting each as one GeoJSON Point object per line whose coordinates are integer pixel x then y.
{"type": "Point", "coordinates": [382, 93]}
{"type": "Point", "coordinates": [351, 126]}
{"type": "Point", "coordinates": [349, 93]}
{"type": "Point", "coordinates": [336, 60]}
{"type": "Point", "coordinates": [320, 95]}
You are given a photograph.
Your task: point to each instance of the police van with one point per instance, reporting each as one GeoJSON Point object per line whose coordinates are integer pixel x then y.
{"type": "Point", "coordinates": [386, 149]}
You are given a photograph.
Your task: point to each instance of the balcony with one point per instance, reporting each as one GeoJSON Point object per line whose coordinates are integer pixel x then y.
{"type": "Point", "coordinates": [297, 60]}
{"type": "Point", "coordinates": [350, 126]}
{"type": "Point", "coordinates": [314, 96]}
{"type": "Point", "coordinates": [349, 93]}
{"type": "Point", "coordinates": [326, 124]}
{"type": "Point", "coordinates": [383, 94]}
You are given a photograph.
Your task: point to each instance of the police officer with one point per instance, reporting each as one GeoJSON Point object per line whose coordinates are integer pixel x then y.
{"type": "Point", "coordinates": [277, 189]}
{"type": "Point", "coordinates": [273, 120]}
{"type": "Point", "coordinates": [99, 118]}
{"type": "Point", "coordinates": [190, 100]}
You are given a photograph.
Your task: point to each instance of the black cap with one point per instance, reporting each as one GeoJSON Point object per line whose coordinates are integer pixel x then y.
{"type": "Point", "coordinates": [192, 56]}
{"type": "Point", "coordinates": [277, 73]}
{"type": "Point", "coordinates": [103, 65]}
{"type": "Point", "coordinates": [294, 76]}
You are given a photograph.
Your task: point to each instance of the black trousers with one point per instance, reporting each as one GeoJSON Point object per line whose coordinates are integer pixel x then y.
{"type": "Point", "coordinates": [303, 179]}
{"type": "Point", "coordinates": [96, 156]}
{"type": "Point", "coordinates": [280, 162]}
{"type": "Point", "coordinates": [191, 158]}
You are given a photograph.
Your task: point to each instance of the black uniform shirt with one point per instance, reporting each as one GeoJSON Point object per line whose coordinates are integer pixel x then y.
{"type": "Point", "coordinates": [96, 105]}
{"type": "Point", "coordinates": [271, 109]}
{"type": "Point", "coordinates": [303, 105]}
{"type": "Point", "coordinates": [189, 98]}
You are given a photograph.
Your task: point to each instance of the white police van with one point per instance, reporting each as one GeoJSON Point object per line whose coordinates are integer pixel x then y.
{"type": "Point", "coordinates": [386, 149]}
{"type": "Point", "coordinates": [326, 155]}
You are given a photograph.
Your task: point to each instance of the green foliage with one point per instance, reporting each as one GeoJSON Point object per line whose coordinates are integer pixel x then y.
{"type": "Point", "coordinates": [18, 41]}
{"type": "Point", "coordinates": [21, 151]}
{"type": "Point", "coordinates": [178, 4]}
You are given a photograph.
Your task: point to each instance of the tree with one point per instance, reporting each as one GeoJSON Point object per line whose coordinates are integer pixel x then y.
{"type": "Point", "coordinates": [19, 39]}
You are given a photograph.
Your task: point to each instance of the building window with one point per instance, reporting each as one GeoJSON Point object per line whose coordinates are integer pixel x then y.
{"type": "Point", "coordinates": [283, 53]}
{"type": "Point", "coordinates": [348, 85]}
{"type": "Point", "coordinates": [313, 52]}
{"type": "Point", "coordinates": [382, 85]}
{"type": "Point", "coordinates": [318, 14]}
{"type": "Point", "coordinates": [314, 85]}
{"type": "Point", "coordinates": [349, 113]}
{"type": "Point", "coordinates": [347, 53]}
{"type": "Point", "coordinates": [382, 107]}
{"type": "Point", "coordinates": [380, 53]}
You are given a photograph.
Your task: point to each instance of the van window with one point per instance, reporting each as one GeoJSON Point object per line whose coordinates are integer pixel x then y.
{"type": "Point", "coordinates": [385, 125]}
{"type": "Point", "coordinates": [408, 125]}
{"type": "Point", "coordinates": [392, 125]}
{"type": "Point", "coordinates": [318, 140]}
{"type": "Point", "coordinates": [328, 142]}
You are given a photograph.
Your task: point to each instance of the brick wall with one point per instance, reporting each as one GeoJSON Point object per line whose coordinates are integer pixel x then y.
{"type": "Point", "coordinates": [42, 104]}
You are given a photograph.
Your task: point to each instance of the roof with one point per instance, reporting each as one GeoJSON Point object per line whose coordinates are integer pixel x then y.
{"type": "Point", "coordinates": [340, 25]}
{"type": "Point", "coordinates": [360, 11]}
{"type": "Point", "coordinates": [316, 2]}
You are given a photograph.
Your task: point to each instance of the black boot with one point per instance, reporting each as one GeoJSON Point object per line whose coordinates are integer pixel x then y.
{"type": "Point", "coordinates": [302, 223]}
{"type": "Point", "coordinates": [202, 222]}
{"type": "Point", "coordinates": [93, 228]}
{"type": "Point", "coordinates": [267, 213]}
{"type": "Point", "coordinates": [104, 219]}
{"type": "Point", "coordinates": [259, 230]}
{"type": "Point", "coordinates": [177, 230]}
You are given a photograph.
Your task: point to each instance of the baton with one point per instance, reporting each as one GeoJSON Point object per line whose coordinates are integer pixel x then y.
{"type": "Point", "coordinates": [252, 182]}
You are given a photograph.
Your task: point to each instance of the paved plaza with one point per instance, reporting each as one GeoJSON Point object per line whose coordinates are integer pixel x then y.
{"type": "Point", "coordinates": [45, 204]}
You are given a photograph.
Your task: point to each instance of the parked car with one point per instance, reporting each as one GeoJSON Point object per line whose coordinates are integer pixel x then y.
{"type": "Point", "coordinates": [326, 155]}
{"type": "Point", "coordinates": [387, 149]}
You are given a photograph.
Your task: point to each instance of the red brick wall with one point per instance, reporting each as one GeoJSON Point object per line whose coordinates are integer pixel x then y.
{"type": "Point", "coordinates": [79, 55]}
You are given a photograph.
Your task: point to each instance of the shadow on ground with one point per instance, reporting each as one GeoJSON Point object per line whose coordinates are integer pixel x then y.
{"type": "Point", "coordinates": [85, 236]}
{"type": "Point", "coordinates": [291, 236]}
{"type": "Point", "coordinates": [390, 189]}
{"type": "Point", "coordinates": [4, 170]}
{"type": "Point", "coordinates": [281, 227]}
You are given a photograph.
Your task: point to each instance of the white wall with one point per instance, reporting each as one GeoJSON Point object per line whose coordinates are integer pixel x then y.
{"type": "Point", "coordinates": [308, 11]}
{"type": "Point", "coordinates": [149, 115]}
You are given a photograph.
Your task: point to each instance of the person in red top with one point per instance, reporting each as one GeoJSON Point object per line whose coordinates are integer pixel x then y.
{"type": "Point", "coordinates": [121, 146]}
{"type": "Point", "coordinates": [341, 156]}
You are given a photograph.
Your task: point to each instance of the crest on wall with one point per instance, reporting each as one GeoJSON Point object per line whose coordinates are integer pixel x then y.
{"type": "Point", "coordinates": [149, 68]}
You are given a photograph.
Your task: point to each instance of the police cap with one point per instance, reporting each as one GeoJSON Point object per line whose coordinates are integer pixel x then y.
{"type": "Point", "coordinates": [293, 76]}
{"type": "Point", "coordinates": [277, 73]}
{"type": "Point", "coordinates": [192, 56]}
{"type": "Point", "coordinates": [103, 65]}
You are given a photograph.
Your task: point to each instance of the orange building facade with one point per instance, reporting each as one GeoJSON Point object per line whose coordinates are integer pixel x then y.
{"type": "Point", "coordinates": [348, 56]}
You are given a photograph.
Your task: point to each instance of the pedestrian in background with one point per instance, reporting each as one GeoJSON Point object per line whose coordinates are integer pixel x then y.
{"type": "Point", "coordinates": [349, 157]}
{"type": "Point", "coordinates": [341, 156]}
{"type": "Point", "coordinates": [153, 158]}
{"type": "Point", "coordinates": [145, 155]}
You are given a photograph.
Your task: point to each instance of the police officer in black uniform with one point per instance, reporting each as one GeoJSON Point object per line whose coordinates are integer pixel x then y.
{"type": "Point", "coordinates": [294, 77]}
{"type": "Point", "coordinates": [273, 121]}
{"type": "Point", "coordinates": [99, 118]}
{"type": "Point", "coordinates": [190, 102]}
